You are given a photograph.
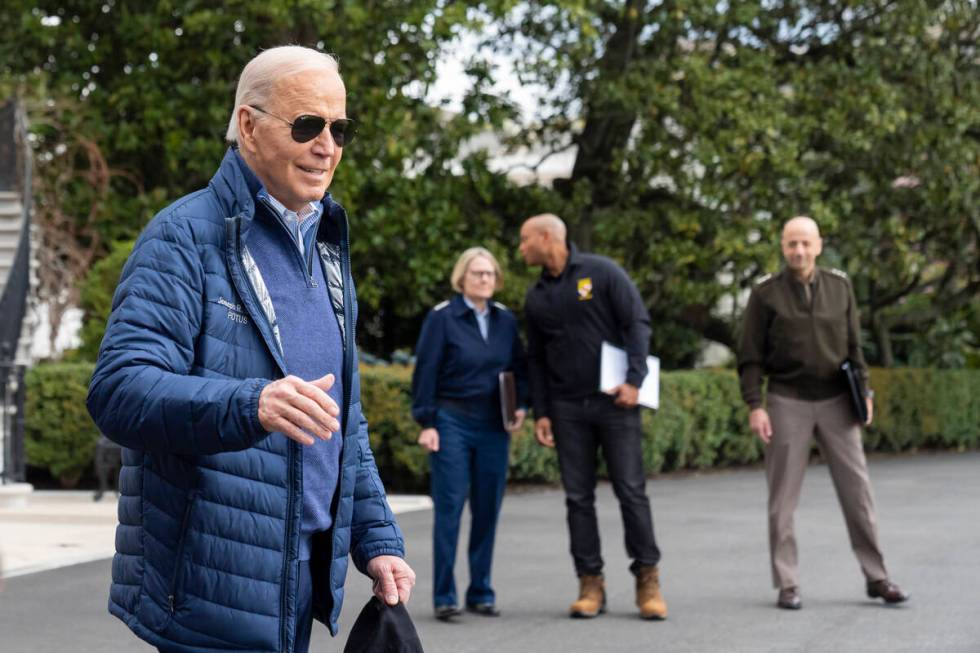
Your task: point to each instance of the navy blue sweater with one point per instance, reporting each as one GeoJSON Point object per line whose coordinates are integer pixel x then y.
{"type": "Point", "coordinates": [454, 362]}
{"type": "Point", "coordinates": [312, 347]}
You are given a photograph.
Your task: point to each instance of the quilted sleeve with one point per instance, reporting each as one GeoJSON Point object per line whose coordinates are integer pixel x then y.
{"type": "Point", "coordinates": [142, 394]}
{"type": "Point", "coordinates": [374, 531]}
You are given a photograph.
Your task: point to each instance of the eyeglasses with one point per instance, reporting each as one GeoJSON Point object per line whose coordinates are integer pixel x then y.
{"type": "Point", "coordinates": [307, 127]}
{"type": "Point", "coordinates": [481, 274]}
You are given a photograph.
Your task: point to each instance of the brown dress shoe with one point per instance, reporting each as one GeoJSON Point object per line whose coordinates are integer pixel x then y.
{"type": "Point", "coordinates": [591, 598]}
{"type": "Point", "coordinates": [789, 599]}
{"type": "Point", "coordinates": [887, 590]}
{"type": "Point", "coordinates": [648, 597]}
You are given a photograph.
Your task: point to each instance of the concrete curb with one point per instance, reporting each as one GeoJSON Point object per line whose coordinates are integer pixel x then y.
{"type": "Point", "coordinates": [49, 529]}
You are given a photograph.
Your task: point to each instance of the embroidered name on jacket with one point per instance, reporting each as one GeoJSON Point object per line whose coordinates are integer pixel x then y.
{"type": "Point", "coordinates": [235, 311]}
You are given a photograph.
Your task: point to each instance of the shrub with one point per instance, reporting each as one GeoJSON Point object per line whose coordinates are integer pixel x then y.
{"type": "Point", "coordinates": [393, 433]}
{"type": "Point", "coordinates": [96, 297]}
{"type": "Point", "coordinates": [59, 434]}
{"type": "Point", "coordinates": [702, 422]}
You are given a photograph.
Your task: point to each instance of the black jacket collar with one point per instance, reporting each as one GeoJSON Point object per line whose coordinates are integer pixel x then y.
{"type": "Point", "coordinates": [574, 259]}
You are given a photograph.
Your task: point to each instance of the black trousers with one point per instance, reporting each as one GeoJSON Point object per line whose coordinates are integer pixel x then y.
{"type": "Point", "coordinates": [581, 427]}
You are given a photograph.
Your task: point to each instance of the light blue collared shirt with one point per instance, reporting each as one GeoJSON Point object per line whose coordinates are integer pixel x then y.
{"type": "Point", "coordinates": [482, 317]}
{"type": "Point", "coordinates": [300, 226]}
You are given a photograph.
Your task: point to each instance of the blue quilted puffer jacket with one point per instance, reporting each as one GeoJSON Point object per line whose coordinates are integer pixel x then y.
{"type": "Point", "coordinates": [210, 503]}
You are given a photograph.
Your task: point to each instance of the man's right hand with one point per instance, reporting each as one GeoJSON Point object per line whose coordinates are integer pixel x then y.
{"type": "Point", "coordinates": [429, 439]}
{"type": "Point", "coordinates": [542, 432]}
{"type": "Point", "coordinates": [292, 406]}
{"type": "Point", "coordinates": [760, 425]}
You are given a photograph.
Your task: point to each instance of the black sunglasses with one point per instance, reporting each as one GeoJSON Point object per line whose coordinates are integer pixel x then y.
{"type": "Point", "coordinates": [306, 128]}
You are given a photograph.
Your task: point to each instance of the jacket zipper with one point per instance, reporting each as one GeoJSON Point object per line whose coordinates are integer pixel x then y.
{"type": "Point", "coordinates": [308, 262]}
{"type": "Point", "coordinates": [348, 338]}
{"type": "Point", "coordinates": [290, 447]}
{"type": "Point", "coordinates": [290, 452]}
{"type": "Point", "coordinates": [348, 374]}
{"type": "Point", "coordinates": [178, 560]}
{"type": "Point", "coordinates": [309, 265]}
{"type": "Point", "coordinates": [290, 457]}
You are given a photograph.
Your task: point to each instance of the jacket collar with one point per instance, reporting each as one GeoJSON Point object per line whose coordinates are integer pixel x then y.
{"type": "Point", "coordinates": [790, 279]}
{"type": "Point", "coordinates": [573, 260]}
{"type": "Point", "coordinates": [459, 307]}
{"type": "Point", "coordinates": [574, 256]}
{"type": "Point", "coordinates": [236, 187]}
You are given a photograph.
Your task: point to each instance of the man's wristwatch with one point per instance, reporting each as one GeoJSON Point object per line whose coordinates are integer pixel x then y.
{"type": "Point", "coordinates": [869, 393]}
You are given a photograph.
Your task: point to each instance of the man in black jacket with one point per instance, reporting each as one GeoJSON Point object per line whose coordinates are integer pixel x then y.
{"type": "Point", "coordinates": [579, 301]}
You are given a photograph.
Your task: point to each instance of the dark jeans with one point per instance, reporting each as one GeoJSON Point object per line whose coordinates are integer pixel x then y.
{"type": "Point", "coordinates": [471, 463]}
{"type": "Point", "coordinates": [581, 427]}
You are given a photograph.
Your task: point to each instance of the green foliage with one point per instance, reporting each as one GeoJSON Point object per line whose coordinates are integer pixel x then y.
{"type": "Point", "coordinates": [529, 461]}
{"type": "Point", "coordinates": [704, 125]}
{"type": "Point", "coordinates": [699, 128]}
{"type": "Point", "coordinates": [392, 431]}
{"type": "Point", "coordinates": [96, 297]}
{"type": "Point", "coordinates": [152, 85]}
{"type": "Point", "coordinates": [60, 435]}
{"type": "Point", "coordinates": [917, 408]}
{"type": "Point", "coordinates": [702, 422]}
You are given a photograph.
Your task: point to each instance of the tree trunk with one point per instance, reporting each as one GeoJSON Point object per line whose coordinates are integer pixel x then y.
{"type": "Point", "coordinates": [883, 339]}
{"type": "Point", "coordinates": [608, 124]}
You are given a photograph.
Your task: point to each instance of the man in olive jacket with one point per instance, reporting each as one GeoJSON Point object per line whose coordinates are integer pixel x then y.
{"type": "Point", "coordinates": [800, 325]}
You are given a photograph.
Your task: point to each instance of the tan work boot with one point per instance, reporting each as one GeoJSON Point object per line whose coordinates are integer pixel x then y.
{"type": "Point", "coordinates": [591, 598]}
{"type": "Point", "coordinates": [648, 598]}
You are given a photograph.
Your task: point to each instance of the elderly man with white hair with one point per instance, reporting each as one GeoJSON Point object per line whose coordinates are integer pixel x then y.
{"type": "Point", "coordinates": [228, 372]}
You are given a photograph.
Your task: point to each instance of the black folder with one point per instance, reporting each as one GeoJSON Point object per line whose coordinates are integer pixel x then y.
{"type": "Point", "coordinates": [856, 390]}
{"type": "Point", "coordinates": [508, 398]}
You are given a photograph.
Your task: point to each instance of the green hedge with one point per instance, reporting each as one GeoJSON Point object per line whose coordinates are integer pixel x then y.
{"type": "Point", "coordinates": [60, 436]}
{"type": "Point", "coordinates": [702, 422]}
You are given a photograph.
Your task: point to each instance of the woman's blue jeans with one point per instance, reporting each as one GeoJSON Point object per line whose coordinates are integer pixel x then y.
{"type": "Point", "coordinates": [471, 462]}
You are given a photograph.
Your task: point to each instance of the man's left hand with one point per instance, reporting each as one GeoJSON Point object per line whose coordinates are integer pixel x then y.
{"type": "Point", "coordinates": [869, 402]}
{"type": "Point", "coordinates": [393, 579]}
{"type": "Point", "coordinates": [627, 395]}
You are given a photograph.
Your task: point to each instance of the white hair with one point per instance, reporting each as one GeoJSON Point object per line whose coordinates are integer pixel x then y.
{"type": "Point", "coordinates": [260, 75]}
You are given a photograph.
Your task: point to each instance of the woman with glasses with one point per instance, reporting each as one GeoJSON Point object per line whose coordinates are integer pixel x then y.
{"type": "Point", "coordinates": [464, 345]}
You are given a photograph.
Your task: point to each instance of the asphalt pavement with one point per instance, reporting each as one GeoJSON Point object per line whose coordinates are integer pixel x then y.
{"type": "Point", "coordinates": [715, 573]}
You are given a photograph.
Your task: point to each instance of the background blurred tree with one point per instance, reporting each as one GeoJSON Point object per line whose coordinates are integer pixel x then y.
{"type": "Point", "coordinates": [151, 87]}
{"type": "Point", "coordinates": [700, 126]}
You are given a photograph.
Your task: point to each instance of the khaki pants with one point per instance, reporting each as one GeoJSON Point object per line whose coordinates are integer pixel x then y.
{"type": "Point", "coordinates": [794, 423]}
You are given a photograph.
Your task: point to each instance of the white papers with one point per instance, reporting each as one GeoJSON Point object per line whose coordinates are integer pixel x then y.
{"type": "Point", "coordinates": [612, 372]}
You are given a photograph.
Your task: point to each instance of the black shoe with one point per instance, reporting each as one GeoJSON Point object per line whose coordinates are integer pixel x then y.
{"type": "Point", "coordinates": [887, 590]}
{"type": "Point", "coordinates": [483, 609]}
{"type": "Point", "coordinates": [789, 599]}
{"type": "Point", "coordinates": [446, 612]}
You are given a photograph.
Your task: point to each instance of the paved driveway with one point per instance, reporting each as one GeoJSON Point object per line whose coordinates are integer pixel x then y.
{"type": "Point", "coordinates": [715, 573]}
